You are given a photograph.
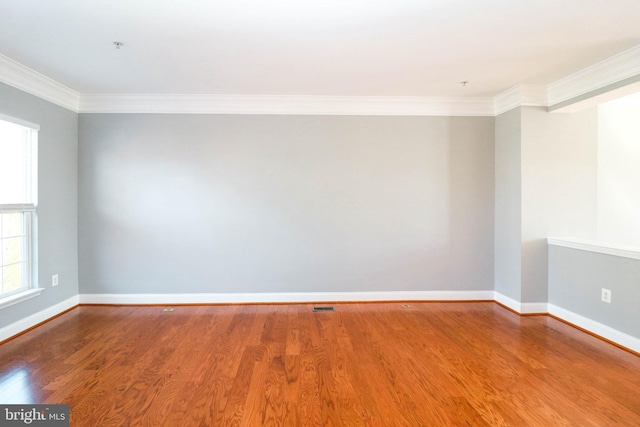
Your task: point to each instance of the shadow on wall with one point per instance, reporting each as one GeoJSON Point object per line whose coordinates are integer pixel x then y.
{"type": "Point", "coordinates": [535, 271]}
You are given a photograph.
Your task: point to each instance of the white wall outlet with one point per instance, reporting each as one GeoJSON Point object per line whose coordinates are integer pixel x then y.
{"type": "Point", "coordinates": [606, 295]}
{"type": "Point", "coordinates": [54, 280]}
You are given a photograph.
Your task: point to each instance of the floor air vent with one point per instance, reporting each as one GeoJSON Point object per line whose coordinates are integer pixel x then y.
{"type": "Point", "coordinates": [326, 308]}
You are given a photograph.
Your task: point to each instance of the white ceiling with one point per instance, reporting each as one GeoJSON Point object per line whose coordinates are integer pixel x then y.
{"type": "Point", "coordinates": [314, 47]}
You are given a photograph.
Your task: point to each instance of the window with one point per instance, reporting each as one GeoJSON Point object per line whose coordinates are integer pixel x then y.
{"type": "Point", "coordinates": [18, 201]}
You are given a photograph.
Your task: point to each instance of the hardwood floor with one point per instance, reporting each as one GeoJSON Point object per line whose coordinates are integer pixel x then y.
{"type": "Point", "coordinates": [432, 364]}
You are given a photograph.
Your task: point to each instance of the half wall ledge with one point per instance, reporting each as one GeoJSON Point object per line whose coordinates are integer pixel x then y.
{"type": "Point", "coordinates": [595, 246]}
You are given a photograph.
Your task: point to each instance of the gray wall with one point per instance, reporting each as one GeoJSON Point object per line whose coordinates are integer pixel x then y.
{"type": "Point", "coordinates": [546, 185]}
{"type": "Point", "coordinates": [508, 209]}
{"type": "Point", "coordinates": [559, 187]}
{"type": "Point", "coordinates": [57, 195]}
{"type": "Point", "coordinates": [206, 203]}
{"type": "Point", "coordinates": [195, 203]}
{"type": "Point", "coordinates": [577, 277]}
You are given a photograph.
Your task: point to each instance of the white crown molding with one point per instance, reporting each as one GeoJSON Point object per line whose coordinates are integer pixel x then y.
{"type": "Point", "coordinates": [598, 247]}
{"type": "Point", "coordinates": [601, 74]}
{"type": "Point", "coordinates": [616, 69]}
{"type": "Point", "coordinates": [520, 95]}
{"type": "Point", "coordinates": [30, 81]}
{"type": "Point", "coordinates": [273, 104]}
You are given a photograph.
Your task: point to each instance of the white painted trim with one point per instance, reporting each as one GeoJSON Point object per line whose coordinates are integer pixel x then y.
{"type": "Point", "coordinates": [607, 72]}
{"type": "Point", "coordinates": [595, 100]}
{"type": "Point", "coordinates": [534, 308]}
{"type": "Point", "coordinates": [39, 317]}
{"type": "Point", "coordinates": [597, 328]}
{"type": "Point", "coordinates": [520, 95]}
{"type": "Point", "coordinates": [284, 297]}
{"type": "Point", "coordinates": [598, 247]}
{"type": "Point", "coordinates": [20, 122]}
{"type": "Point", "coordinates": [592, 326]}
{"type": "Point", "coordinates": [520, 307]}
{"type": "Point", "coordinates": [612, 70]}
{"type": "Point", "coordinates": [507, 301]}
{"type": "Point", "coordinates": [24, 78]}
{"type": "Point", "coordinates": [19, 297]}
{"type": "Point", "coordinates": [302, 105]}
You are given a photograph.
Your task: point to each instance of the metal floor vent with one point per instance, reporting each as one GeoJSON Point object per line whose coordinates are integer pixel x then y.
{"type": "Point", "coordinates": [326, 308]}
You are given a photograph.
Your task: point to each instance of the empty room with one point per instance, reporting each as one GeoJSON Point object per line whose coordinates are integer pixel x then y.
{"type": "Point", "coordinates": [320, 213]}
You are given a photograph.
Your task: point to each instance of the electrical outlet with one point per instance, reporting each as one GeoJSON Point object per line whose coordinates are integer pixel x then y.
{"type": "Point", "coordinates": [54, 280]}
{"type": "Point", "coordinates": [606, 295]}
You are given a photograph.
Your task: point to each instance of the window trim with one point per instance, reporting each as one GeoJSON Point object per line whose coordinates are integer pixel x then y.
{"type": "Point", "coordinates": [24, 295]}
{"type": "Point", "coordinates": [19, 122]}
{"type": "Point", "coordinates": [29, 210]}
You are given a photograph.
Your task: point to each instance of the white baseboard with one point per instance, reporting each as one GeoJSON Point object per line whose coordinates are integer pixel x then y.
{"type": "Point", "coordinates": [284, 297]}
{"type": "Point", "coordinates": [507, 301]}
{"type": "Point", "coordinates": [597, 328]}
{"type": "Point", "coordinates": [592, 326]}
{"type": "Point", "coordinates": [521, 307]}
{"type": "Point", "coordinates": [30, 321]}
{"type": "Point", "coordinates": [534, 308]}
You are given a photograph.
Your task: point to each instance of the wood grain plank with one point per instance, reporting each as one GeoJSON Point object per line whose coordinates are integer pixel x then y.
{"type": "Point", "coordinates": [377, 364]}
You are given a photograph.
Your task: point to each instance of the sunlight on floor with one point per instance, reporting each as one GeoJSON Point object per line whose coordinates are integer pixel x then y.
{"type": "Point", "coordinates": [15, 387]}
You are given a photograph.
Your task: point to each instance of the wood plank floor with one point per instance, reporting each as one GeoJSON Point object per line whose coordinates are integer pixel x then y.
{"type": "Point", "coordinates": [431, 364]}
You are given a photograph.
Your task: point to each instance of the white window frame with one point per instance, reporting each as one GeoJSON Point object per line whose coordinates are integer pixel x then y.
{"type": "Point", "coordinates": [29, 211]}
